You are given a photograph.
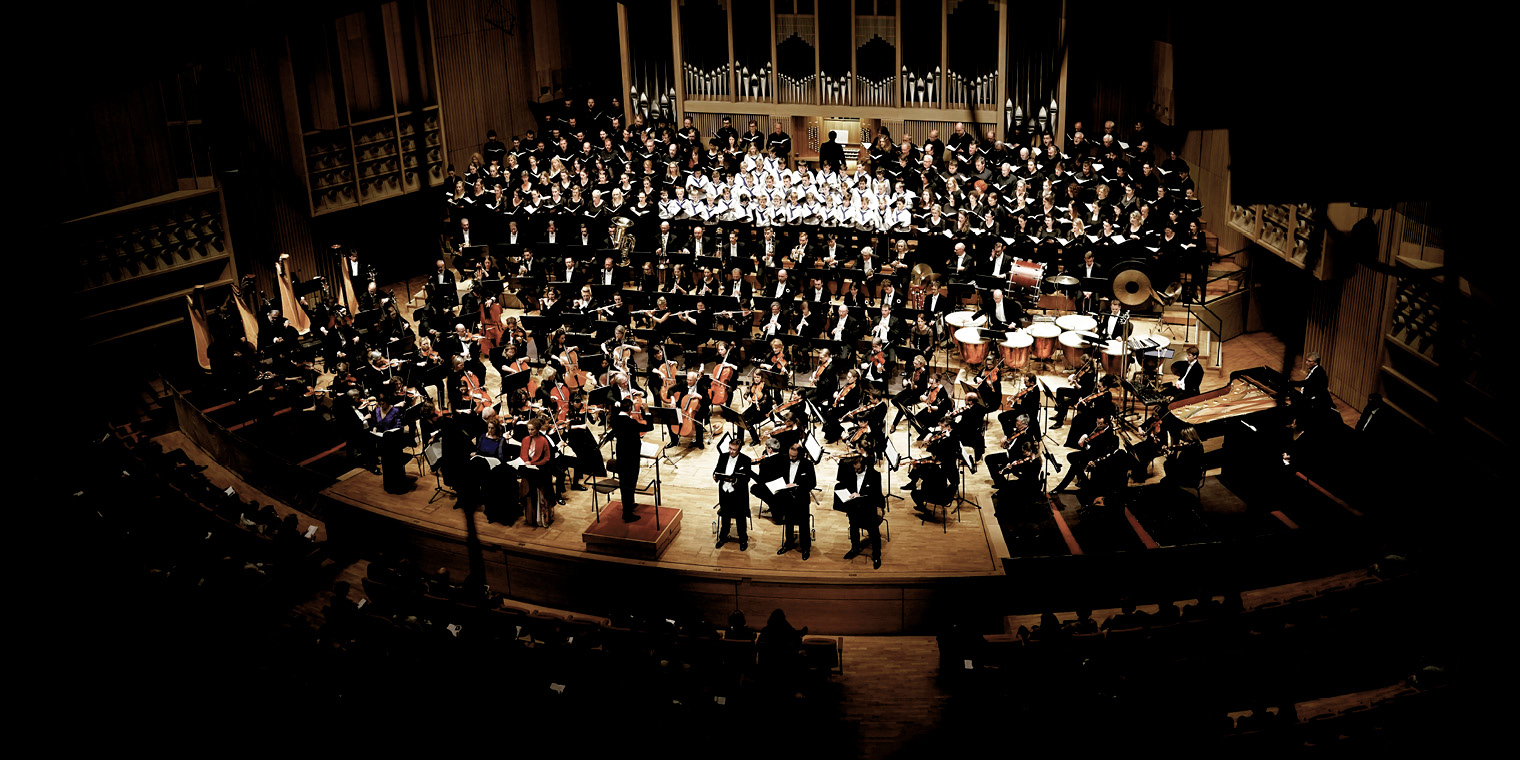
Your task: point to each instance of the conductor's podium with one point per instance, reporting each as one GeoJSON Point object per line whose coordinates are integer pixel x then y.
{"type": "Point", "coordinates": [645, 538]}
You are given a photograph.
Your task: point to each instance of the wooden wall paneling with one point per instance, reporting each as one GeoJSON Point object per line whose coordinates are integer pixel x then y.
{"type": "Point", "coordinates": [131, 145]}
{"type": "Point", "coordinates": [484, 77]}
{"type": "Point", "coordinates": [547, 61]}
{"type": "Point", "coordinates": [267, 199]}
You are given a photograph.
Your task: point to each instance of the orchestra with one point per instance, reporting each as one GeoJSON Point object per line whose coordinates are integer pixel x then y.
{"type": "Point", "coordinates": [794, 298]}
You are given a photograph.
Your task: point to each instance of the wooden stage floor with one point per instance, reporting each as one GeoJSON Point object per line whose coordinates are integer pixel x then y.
{"type": "Point", "coordinates": [971, 547]}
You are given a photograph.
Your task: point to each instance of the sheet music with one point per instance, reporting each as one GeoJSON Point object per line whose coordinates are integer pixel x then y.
{"type": "Point", "coordinates": [777, 485]}
{"type": "Point", "coordinates": [843, 495]}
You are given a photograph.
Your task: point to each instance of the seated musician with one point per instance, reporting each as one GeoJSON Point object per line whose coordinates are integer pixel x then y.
{"type": "Point", "coordinates": [1090, 408]}
{"type": "Point", "coordinates": [775, 321]}
{"type": "Point", "coordinates": [1091, 448]}
{"type": "Point", "coordinates": [696, 385]}
{"type": "Point", "coordinates": [1190, 379]}
{"type": "Point", "coordinates": [1018, 463]}
{"type": "Point", "coordinates": [823, 378]}
{"type": "Point", "coordinates": [841, 328]}
{"type": "Point", "coordinates": [1111, 325]}
{"type": "Point", "coordinates": [915, 385]}
{"type": "Point", "coordinates": [936, 401]}
{"type": "Point", "coordinates": [1086, 379]}
{"type": "Point", "coordinates": [967, 421]}
{"type": "Point", "coordinates": [885, 327]}
{"type": "Point", "coordinates": [876, 368]}
{"type": "Point", "coordinates": [1001, 313]}
{"type": "Point", "coordinates": [844, 400]}
{"type": "Point", "coordinates": [780, 290]}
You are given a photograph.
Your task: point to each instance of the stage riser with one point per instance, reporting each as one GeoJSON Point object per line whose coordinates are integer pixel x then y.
{"type": "Point", "coordinates": [592, 585]}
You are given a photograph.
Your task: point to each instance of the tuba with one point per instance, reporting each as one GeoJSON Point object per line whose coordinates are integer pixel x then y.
{"type": "Point", "coordinates": [622, 238]}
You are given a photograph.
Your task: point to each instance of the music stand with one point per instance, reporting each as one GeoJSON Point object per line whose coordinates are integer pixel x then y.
{"type": "Point", "coordinates": [738, 421]}
{"type": "Point", "coordinates": [663, 417]}
{"type": "Point", "coordinates": [889, 452]}
{"type": "Point", "coordinates": [433, 453]}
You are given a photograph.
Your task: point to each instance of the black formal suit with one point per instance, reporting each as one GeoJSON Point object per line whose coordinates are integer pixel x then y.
{"type": "Point", "coordinates": [443, 292]}
{"type": "Point", "coordinates": [571, 277]}
{"type": "Point", "coordinates": [1192, 381]}
{"type": "Point", "coordinates": [1001, 315]}
{"type": "Point", "coordinates": [669, 243]}
{"type": "Point", "coordinates": [790, 505]}
{"type": "Point", "coordinates": [626, 442]}
{"type": "Point", "coordinates": [864, 511]}
{"type": "Point", "coordinates": [776, 291]}
{"type": "Point", "coordinates": [733, 498]}
{"type": "Point", "coordinates": [740, 289]}
{"type": "Point", "coordinates": [1109, 326]}
{"type": "Point", "coordinates": [613, 276]}
{"type": "Point", "coordinates": [1098, 445]}
{"type": "Point", "coordinates": [1315, 385]}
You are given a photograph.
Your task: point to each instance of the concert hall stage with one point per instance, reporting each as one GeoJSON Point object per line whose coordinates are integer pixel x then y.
{"type": "Point", "coordinates": [926, 566]}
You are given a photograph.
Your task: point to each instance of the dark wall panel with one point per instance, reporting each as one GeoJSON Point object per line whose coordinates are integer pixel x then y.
{"type": "Point", "coordinates": [485, 72]}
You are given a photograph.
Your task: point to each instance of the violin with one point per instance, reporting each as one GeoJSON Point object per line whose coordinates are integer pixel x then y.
{"type": "Point", "coordinates": [1026, 460]}
{"type": "Point", "coordinates": [1085, 401]}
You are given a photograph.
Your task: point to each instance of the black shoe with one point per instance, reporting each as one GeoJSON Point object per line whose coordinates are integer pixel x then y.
{"type": "Point", "coordinates": [577, 487]}
{"type": "Point", "coordinates": [876, 563]}
{"type": "Point", "coordinates": [720, 543]}
{"type": "Point", "coordinates": [784, 549]}
{"type": "Point", "coordinates": [700, 446]}
{"type": "Point", "coordinates": [630, 517]}
{"type": "Point", "coordinates": [805, 555]}
{"type": "Point", "coordinates": [672, 444]}
{"type": "Point", "coordinates": [561, 501]}
{"type": "Point", "coordinates": [852, 554]}
{"type": "Point", "coordinates": [743, 546]}
{"type": "Point", "coordinates": [907, 487]}
{"type": "Point", "coordinates": [1056, 426]}
{"type": "Point", "coordinates": [922, 508]}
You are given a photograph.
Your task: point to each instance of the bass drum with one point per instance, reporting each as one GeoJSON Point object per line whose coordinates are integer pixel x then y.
{"type": "Point", "coordinates": [1132, 283]}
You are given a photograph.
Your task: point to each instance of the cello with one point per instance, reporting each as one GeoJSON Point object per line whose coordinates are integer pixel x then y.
{"type": "Point", "coordinates": [690, 404]}
{"type": "Point", "coordinates": [490, 326]}
{"type": "Point", "coordinates": [722, 378]}
{"type": "Point", "coordinates": [575, 377]}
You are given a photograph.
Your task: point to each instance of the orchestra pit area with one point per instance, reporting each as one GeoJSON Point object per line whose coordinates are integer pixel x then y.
{"type": "Point", "coordinates": [978, 399]}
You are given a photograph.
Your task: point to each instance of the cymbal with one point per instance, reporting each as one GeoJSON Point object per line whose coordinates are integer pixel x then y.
{"type": "Point", "coordinates": [1064, 280]}
{"type": "Point", "coordinates": [920, 273]}
{"type": "Point", "coordinates": [1087, 334]}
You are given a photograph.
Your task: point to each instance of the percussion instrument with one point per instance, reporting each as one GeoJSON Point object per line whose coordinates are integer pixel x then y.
{"type": "Point", "coordinates": [1015, 349]}
{"type": "Point", "coordinates": [1113, 358]}
{"type": "Point", "coordinates": [1044, 335]}
{"type": "Point", "coordinates": [1149, 347]}
{"type": "Point", "coordinates": [972, 345]}
{"type": "Point", "coordinates": [959, 320]}
{"type": "Point", "coordinates": [1132, 283]}
{"type": "Point", "coordinates": [1025, 274]}
{"type": "Point", "coordinates": [1077, 323]}
{"type": "Point", "coordinates": [1062, 283]}
{"type": "Point", "coordinates": [1073, 346]}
